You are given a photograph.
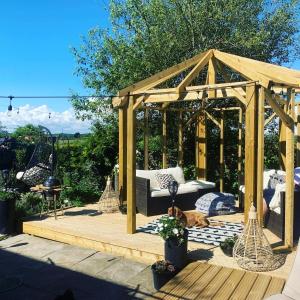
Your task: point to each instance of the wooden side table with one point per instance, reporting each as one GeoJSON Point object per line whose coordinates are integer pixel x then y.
{"type": "Point", "coordinates": [45, 200]}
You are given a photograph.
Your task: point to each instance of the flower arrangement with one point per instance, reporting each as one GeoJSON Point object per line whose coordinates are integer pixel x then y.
{"type": "Point", "coordinates": [163, 266]}
{"type": "Point", "coordinates": [228, 244]}
{"type": "Point", "coordinates": [170, 227]}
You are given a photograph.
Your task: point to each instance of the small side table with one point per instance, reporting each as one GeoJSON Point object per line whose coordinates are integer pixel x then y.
{"type": "Point", "coordinates": [56, 192]}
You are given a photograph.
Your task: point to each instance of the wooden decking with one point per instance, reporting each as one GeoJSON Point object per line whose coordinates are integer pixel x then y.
{"type": "Point", "coordinates": [83, 227]}
{"type": "Point", "coordinates": [205, 281]}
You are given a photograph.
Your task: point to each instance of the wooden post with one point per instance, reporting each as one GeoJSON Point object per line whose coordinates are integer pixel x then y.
{"type": "Point", "coordinates": [222, 165]}
{"type": "Point", "coordinates": [240, 158]}
{"type": "Point", "coordinates": [164, 140]}
{"type": "Point", "coordinates": [131, 168]}
{"type": "Point", "coordinates": [122, 153]}
{"type": "Point", "coordinates": [211, 73]}
{"type": "Point", "coordinates": [250, 148]}
{"type": "Point", "coordinates": [282, 144]}
{"type": "Point", "coordinates": [298, 136]}
{"type": "Point", "coordinates": [289, 193]}
{"type": "Point", "coordinates": [260, 154]}
{"type": "Point", "coordinates": [146, 139]}
{"type": "Point", "coordinates": [180, 140]}
{"type": "Point", "coordinates": [201, 146]}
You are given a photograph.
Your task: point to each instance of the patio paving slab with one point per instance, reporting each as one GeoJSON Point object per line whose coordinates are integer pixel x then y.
{"type": "Point", "coordinates": [47, 269]}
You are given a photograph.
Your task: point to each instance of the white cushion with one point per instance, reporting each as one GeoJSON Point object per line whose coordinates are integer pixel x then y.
{"type": "Point", "coordinates": [182, 189]}
{"type": "Point", "coordinates": [279, 297]}
{"type": "Point", "coordinates": [201, 184]}
{"type": "Point", "coordinates": [188, 187]}
{"type": "Point", "coordinates": [176, 172]}
{"type": "Point", "coordinates": [149, 174]}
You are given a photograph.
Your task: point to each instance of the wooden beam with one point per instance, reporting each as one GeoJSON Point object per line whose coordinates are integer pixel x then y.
{"type": "Point", "coordinates": [146, 139]}
{"type": "Point", "coordinates": [240, 153]}
{"type": "Point", "coordinates": [239, 95]}
{"type": "Point", "coordinates": [260, 154]}
{"type": "Point", "coordinates": [193, 74]}
{"type": "Point", "coordinates": [250, 148]}
{"type": "Point", "coordinates": [241, 68]}
{"type": "Point", "coordinates": [122, 154]}
{"type": "Point", "coordinates": [180, 140]}
{"type": "Point", "coordinates": [289, 193]}
{"type": "Point", "coordinates": [201, 146]}
{"type": "Point", "coordinates": [282, 145]}
{"type": "Point", "coordinates": [162, 76]}
{"type": "Point", "coordinates": [267, 121]}
{"type": "Point", "coordinates": [131, 168]}
{"type": "Point", "coordinates": [222, 165]}
{"type": "Point", "coordinates": [213, 119]}
{"type": "Point", "coordinates": [277, 108]}
{"type": "Point", "coordinates": [212, 75]}
{"type": "Point", "coordinates": [164, 139]}
{"type": "Point", "coordinates": [298, 137]}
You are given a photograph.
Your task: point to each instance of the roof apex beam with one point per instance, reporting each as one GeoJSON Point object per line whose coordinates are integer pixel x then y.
{"type": "Point", "coordinates": [198, 67]}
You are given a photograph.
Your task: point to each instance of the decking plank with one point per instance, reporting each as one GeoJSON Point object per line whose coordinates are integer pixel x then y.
{"type": "Point", "coordinates": [244, 287]}
{"type": "Point", "coordinates": [275, 287]}
{"type": "Point", "coordinates": [189, 281]}
{"type": "Point", "coordinates": [215, 284]}
{"type": "Point", "coordinates": [202, 282]}
{"type": "Point", "coordinates": [230, 285]}
{"type": "Point", "coordinates": [169, 286]}
{"type": "Point", "coordinates": [259, 287]}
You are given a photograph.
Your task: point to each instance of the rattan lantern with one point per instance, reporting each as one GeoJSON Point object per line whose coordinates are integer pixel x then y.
{"type": "Point", "coordinates": [252, 250]}
{"type": "Point", "coordinates": [109, 201]}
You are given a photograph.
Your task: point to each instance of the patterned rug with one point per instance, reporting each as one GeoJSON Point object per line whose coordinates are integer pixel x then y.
{"type": "Point", "coordinates": [211, 235]}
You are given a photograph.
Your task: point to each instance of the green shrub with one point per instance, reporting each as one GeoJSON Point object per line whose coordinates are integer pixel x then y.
{"type": "Point", "coordinates": [28, 204]}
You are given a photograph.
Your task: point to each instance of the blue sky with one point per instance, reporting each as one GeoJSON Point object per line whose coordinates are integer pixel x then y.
{"type": "Point", "coordinates": [35, 41]}
{"type": "Point", "coordinates": [35, 56]}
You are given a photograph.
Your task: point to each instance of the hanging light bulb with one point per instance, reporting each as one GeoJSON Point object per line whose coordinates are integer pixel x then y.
{"type": "Point", "coordinates": [9, 108]}
{"type": "Point", "coordinates": [18, 111]}
{"type": "Point", "coordinates": [49, 115]}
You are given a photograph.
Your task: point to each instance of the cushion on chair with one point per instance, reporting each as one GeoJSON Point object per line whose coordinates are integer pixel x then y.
{"type": "Point", "coordinates": [164, 180]}
{"type": "Point", "coordinates": [182, 189]}
{"type": "Point", "coordinates": [149, 174]}
{"type": "Point", "coordinates": [176, 172]}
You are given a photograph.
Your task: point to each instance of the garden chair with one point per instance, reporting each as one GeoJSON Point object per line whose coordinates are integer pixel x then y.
{"type": "Point", "coordinates": [291, 289]}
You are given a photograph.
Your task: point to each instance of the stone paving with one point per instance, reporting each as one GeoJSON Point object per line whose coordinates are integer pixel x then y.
{"type": "Point", "coordinates": [35, 268]}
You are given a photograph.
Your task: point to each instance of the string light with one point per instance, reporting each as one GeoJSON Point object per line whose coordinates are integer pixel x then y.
{"type": "Point", "coordinates": [49, 115]}
{"type": "Point", "coordinates": [9, 108]}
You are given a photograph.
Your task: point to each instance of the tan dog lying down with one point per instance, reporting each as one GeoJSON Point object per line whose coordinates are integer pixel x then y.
{"type": "Point", "coordinates": [190, 219]}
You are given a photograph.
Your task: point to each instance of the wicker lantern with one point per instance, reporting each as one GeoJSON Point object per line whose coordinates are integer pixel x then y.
{"type": "Point", "coordinates": [109, 201]}
{"type": "Point", "coordinates": [252, 250]}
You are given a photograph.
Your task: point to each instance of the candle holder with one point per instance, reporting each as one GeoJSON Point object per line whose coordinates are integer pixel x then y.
{"type": "Point", "coordinates": [173, 189]}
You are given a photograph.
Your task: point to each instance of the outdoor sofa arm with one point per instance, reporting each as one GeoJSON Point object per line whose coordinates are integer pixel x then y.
{"type": "Point", "coordinates": [143, 194]}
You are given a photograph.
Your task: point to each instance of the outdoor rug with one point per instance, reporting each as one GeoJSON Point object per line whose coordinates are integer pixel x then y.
{"type": "Point", "coordinates": [211, 235]}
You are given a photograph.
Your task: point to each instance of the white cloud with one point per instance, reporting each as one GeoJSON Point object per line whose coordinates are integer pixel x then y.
{"type": "Point", "coordinates": [39, 115]}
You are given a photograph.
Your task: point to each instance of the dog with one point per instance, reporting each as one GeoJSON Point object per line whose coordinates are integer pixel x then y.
{"type": "Point", "coordinates": [189, 219]}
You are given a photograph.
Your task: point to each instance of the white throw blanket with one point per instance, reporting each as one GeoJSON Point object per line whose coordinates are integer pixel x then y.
{"type": "Point", "coordinates": [275, 201]}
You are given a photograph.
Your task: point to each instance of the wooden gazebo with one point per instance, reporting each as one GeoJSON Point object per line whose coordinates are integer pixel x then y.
{"type": "Point", "coordinates": [259, 86]}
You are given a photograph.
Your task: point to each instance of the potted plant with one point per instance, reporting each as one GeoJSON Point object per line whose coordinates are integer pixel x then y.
{"type": "Point", "coordinates": [228, 244]}
{"type": "Point", "coordinates": [162, 272]}
{"type": "Point", "coordinates": [175, 235]}
{"type": "Point", "coordinates": [7, 211]}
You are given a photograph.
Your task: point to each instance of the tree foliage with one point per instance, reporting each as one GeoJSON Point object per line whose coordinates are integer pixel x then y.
{"type": "Point", "coordinates": [149, 36]}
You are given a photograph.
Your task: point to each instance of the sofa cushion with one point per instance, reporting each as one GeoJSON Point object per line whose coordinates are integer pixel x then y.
{"type": "Point", "coordinates": [149, 174]}
{"type": "Point", "coordinates": [176, 172]}
{"type": "Point", "coordinates": [164, 180]}
{"type": "Point", "coordinates": [182, 189]}
{"type": "Point", "coordinates": [201, 184]}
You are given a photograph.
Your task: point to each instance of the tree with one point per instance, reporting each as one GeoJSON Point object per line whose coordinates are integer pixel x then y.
{"type": "Point", "coordinates": [76, 135]}
{"type": "Point", "coordinates": [27, 133]}
{"type": "Point", "coordinates": [149, 36]}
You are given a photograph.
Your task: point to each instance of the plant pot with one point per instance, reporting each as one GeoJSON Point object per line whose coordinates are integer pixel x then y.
{"type": "Point", "coordinates": [160, 279]}
{"type": "Point", "coordinates": [7, 216]}
{"type": "Point", "coordinates": [177, 254]}
{"type": "Point", "coordinates": [227, 250]}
